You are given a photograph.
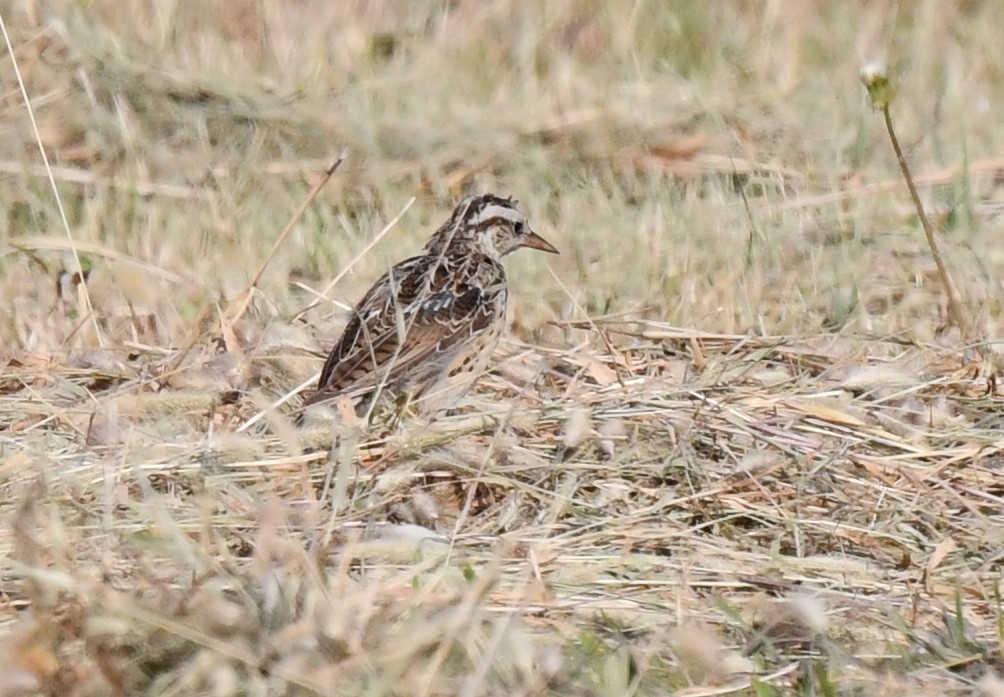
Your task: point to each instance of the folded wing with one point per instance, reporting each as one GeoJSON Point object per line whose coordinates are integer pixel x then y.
{"type": "Point", "coordinates": [411, 323]}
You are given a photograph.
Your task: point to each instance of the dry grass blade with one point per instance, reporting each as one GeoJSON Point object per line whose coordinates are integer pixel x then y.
{"type": "Point", "coordinates": [89, 310]}
{"type": "Point", "coordinates": [355, 260]}
{"type": "Point", "coordinates": [237, 310]}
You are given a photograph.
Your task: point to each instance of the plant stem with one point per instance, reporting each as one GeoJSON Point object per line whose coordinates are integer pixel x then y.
{"type": "Point", "coordinates": [954, 310]}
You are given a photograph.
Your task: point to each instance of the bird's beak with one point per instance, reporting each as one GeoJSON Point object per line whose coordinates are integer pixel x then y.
{"type": "Point", "coordinates": [535, 241]}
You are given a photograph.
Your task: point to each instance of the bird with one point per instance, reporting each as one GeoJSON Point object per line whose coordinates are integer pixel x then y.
{"type": "Point", "coordinates": [426, 330]}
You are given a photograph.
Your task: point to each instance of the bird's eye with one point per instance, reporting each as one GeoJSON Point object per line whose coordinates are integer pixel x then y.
{"type": "Point", "coordinates": [520, 229]}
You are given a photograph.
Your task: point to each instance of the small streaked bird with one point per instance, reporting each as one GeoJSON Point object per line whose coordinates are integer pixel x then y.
{"type": "Point", "coordinates": [427, 329]}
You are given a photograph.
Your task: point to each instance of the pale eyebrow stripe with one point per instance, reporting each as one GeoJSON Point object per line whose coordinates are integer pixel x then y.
{"type": "Point", "coordinates": [497, 211]}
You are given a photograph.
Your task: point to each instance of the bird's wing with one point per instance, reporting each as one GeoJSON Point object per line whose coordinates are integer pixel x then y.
{"type": "Point", "coordinates": [419, 310]}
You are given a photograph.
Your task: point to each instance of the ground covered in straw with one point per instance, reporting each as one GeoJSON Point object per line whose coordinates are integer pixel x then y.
{"type": "Point", "coordinates": [730, 445]}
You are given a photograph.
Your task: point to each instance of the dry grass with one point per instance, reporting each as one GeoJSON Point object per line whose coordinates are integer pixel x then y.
{"type": "Point", "coordinates": [728, 448]}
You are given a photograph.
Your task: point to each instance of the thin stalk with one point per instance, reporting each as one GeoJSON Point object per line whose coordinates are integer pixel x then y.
{"type": "Point", "coordinates": [955, 316]}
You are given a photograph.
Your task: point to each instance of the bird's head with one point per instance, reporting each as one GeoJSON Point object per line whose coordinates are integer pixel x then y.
{"type": "Point", "coordinates": [491, 224]}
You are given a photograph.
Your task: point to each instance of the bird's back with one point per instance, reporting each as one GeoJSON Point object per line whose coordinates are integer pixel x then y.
{"type": "Point", "coordinates": [430, 319]}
